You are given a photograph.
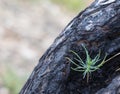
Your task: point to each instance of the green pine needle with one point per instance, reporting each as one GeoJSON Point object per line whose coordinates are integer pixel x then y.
{"type": "Point", "coordinates": [89, 66]}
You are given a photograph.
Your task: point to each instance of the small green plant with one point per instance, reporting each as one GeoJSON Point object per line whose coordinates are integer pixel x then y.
{"type": "Point", "coordinates": [89, 66]}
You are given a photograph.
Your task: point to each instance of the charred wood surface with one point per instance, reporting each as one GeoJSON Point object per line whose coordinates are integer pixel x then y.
{"type": "Point", "coordinates": [98, 28]}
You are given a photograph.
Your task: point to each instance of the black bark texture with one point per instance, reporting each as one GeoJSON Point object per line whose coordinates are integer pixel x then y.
{"type": "Point", "coordinates": [98, 28]}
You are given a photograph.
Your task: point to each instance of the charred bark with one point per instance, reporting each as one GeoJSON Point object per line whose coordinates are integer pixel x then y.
{"type": "Point", "coordinates": [98, 28]}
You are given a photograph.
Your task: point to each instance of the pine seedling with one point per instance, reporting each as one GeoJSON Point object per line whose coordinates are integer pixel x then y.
{"type": "Point", "coordinates": [89, 65]}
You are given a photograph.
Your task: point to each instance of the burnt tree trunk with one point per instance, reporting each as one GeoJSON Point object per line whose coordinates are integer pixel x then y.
{"type": "Point", "coordinates": [98, 28]}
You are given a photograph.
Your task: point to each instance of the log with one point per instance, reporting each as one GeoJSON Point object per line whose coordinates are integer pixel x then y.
{"type": "Point", "coordinates": [98, 28]}
{"type": "Point", "coordinates": [112, 88]}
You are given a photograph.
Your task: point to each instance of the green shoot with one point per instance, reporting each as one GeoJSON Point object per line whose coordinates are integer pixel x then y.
{"type": "Point", "coordinates": [89, 66]}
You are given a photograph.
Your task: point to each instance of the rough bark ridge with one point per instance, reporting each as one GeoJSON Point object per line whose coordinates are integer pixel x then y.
{"type": "Point", "coordinates": [98, 28]}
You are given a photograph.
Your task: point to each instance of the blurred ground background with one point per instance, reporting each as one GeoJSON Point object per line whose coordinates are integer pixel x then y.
{"type": "Point", "coordinates": [27, 29]}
